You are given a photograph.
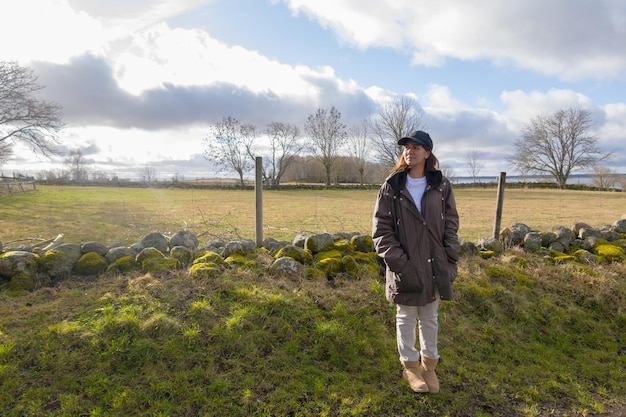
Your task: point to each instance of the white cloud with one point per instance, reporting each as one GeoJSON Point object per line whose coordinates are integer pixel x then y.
{"type": "Point", "coordinates": [612, 133]}
{"type": "Point", "coordinates": [360, 23]}
{"type": "Point", "coordinates": [55, 31]}
{"type": "Point", "coordinates": [523, 106]}
{"type": "Point", "coordinates": [137, 82]}
{"type": "Point", "coordinates": [438, 98]}
{"type": "Point", "coordinates": [569, 39]}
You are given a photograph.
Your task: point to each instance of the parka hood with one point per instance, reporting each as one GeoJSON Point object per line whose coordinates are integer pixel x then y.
{"type": "Point", "coordinates": [397, 180]}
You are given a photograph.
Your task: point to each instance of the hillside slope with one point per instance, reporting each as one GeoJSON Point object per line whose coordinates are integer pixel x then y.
{"type": "Point", "coordinates": [523, 338]}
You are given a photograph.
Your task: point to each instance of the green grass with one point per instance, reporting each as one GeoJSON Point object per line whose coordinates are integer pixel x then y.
{"type": "Point", "coordinates": [110, 214]}
{"type": "Point", "coordinates": [521, 339]}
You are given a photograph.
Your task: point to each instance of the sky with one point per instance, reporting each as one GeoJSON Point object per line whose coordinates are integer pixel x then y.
{"type": "Point", "coordinates": [140, 82]}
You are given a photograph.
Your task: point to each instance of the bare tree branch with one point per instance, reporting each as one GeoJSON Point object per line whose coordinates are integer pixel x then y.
{"type": "Point", "coordinates": [393, 121]}
{"type": "Point", "coordinates": [229, 143]}
{"type": "Point", "coordinates": [23, 117]}
{"type": "Point", "coordinates": [557, 145]}
{"type": "Point", "coordinates": [474, 164]}
{"type": "Point", "coordinates": [359, 139]}
{"type": "Point", "coordinates": [327, 135]}
{"type": "Point", "coordinates": [77, 166]}
{"type": "Point", "coordinates": [284, 147]}
{"type": "Point", "coordinates": [604, 177]}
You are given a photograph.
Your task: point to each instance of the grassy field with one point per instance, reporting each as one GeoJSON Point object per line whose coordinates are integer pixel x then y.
{"type": "Point", "coordinates": [523, 338]}
{"type": "Point", "coordinates": [110, 214]}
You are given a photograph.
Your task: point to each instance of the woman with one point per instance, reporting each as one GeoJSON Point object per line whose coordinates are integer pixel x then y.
{"type": "Point", "coordinates": [415, 229]}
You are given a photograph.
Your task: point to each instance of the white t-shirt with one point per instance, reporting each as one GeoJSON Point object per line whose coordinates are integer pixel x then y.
{"type": "Point", "coordinates": [416, 187]}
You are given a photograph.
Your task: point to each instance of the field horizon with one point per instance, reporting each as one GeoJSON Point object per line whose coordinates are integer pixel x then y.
{"type": "Point", "coordinates": [109, 214]}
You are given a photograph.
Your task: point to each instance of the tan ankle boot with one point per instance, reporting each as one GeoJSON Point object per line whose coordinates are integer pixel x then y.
{"type": "Point", "coordinates": [427, 370]}
{"type": "Point", "coordinates": [412, 374]}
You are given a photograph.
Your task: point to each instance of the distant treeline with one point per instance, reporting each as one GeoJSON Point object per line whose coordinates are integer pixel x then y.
{"type": "Point", "coordinates": [230, 183]}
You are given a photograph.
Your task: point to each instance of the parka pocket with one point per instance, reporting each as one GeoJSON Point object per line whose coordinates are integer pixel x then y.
{"type": "Point", "coordinates": [453, 269]}
{"type": "Point", "coordinates": [407, 280]}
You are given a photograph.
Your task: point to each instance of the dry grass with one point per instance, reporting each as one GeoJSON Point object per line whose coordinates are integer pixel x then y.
{"type": "Point", "coordinates": [110, 214]}
{"type": "Point", "coordinates": [523, 338]}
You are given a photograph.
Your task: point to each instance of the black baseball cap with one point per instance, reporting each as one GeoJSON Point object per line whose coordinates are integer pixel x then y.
{"type": "Point", "coordinates": [419, 137]}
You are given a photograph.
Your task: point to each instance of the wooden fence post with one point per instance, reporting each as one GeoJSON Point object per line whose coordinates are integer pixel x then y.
{"type": "Point", "coordinates": [500, 203]}
{"type": "Point", "coordinates": [258, 188]}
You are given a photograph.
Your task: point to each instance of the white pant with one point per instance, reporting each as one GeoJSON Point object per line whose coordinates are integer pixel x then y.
{"type": "Point", "coordinates": [411, 318]}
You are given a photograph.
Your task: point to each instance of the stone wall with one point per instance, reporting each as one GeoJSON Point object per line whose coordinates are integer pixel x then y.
{"type": "Point", "coordinates": [319, 257]}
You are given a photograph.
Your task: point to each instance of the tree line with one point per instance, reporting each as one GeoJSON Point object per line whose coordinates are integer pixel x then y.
{"type": "Point", "coordinates": [554, 144]}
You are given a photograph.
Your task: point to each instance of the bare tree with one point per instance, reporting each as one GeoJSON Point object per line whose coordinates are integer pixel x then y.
{"type": "Point", "coordinates": [6, 152]}
{"type": "Point", "coordinates": [54, 175]}
{"type": "Point", "coordinates": [557, 144]}
{"type": "Point", "coordinates": [228, 143]}
{"type": "Point", "coordinates": [148, 175]}
{"type": "Point", "coordinates": [77, 166]}
{"type": "Point", "coordinates": [284, 147]}
{"type": "Point", "coordinates": [24, 117]}
{"type": "Point", "coordinates": [359, 139]}
{"type": "Point", "coordinates": [177, 177]}
{"type": "Point", "coordinates": [327, 135]}
{"type": "Point", "coordinates": [474, 164]}
{"type": "Point", "coordinates": [393, 121]}
{"type": "Point", "coordinates": [99, 176]}
{"type": "Point", "coordinates": [604, 177]}
{"type": "Point", "coordinates": [447, 171]}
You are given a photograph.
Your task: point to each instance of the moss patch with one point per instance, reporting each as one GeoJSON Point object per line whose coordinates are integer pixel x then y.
{"type": "Point", "coordinates": [91, 263]}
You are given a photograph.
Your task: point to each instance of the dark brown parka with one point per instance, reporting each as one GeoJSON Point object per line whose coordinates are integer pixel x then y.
{"type": "Point", "coordinates": [420, 250]}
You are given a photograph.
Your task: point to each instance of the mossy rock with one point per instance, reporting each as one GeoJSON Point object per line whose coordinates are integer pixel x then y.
{"type": "Point", "coordinates": [204, 270]}
{"type": "Point", "coordinates": [559, 259]}
{"type": "Point", "coordinates": [91, 263]}
{"type": "Point", "coordinates": [586, 257]}
{"type": "Point", "coordinates": [27, 281]}
{"type": "Point", "coordinates": [555, 253]}
{"type": "Point", "coordinates": [239, 260]}
{"type": "Point", "coordinates": [239, 246]}
{"type": "Point", "coordinates": [600, 242]}
{"type": "Point", "coordinates": [123, 264]}
{"type": "Point", "coordinates": [314, 274]}
{"type": "Point", "coordinates": [350, 265]}
{"type": "Point", "coordinates": [319, 242]}
{"type": "Point", "coordinates": [16, 262]}
{"type": "Point", "coordinates": [336, 254]}
{"type": "Point", "coordinates": [155, 240]}
{"type": "Point", "coordinates": [343, 245]}
{"type": "Point", "coordinates": [362, 243]}
{"type": "Point", "coordinates": [209, 256]}
{"type": "Point", "coordinates": [149, 253]}
{"type": "Point", "coordinates": [182, 253]}
{"type": "Point", "coordinates": [57, 263]}
{"type": "Point", "coordinates": [610, 252]}
{"type": "Point", "coordinates": [287, 267]}
{"type": "Point", "coordinates": [360, 266]}
{"type": "Point", "coordinates": [156, 264]}
{"type": "Point", "coordinates": [620, 243]}
{"type": "Point", "coordinates": [330, 266]}
{"type": "Point", "coordinates": [366, 257]}
{"type": "Point", "coordinates": [487, 254]}
{"type": "Point", "coordinates": [296, 253]}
